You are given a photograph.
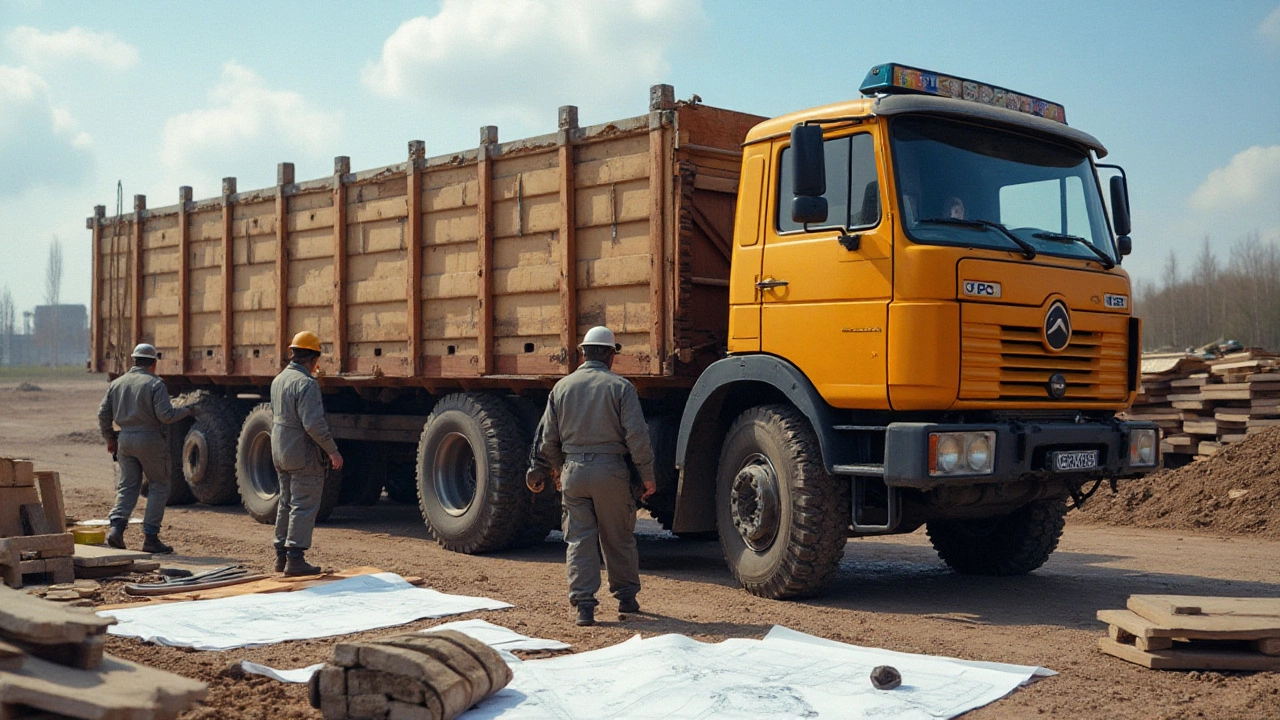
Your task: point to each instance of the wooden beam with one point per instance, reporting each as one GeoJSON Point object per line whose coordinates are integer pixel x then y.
{"type": "Point", "coordinates": [341, 167]}
{"type": "Point", "coordinates": [413, 229]}
{"type": "Point", "coordinates": [95, 314]}
{"type": "Point", "coordinates": [184, 278]}
{"type": "Point", "coordinates": [568, 238]}
{"type": "Point", "coordinates": [661, 103]}
{"type": "Point", "coordinates": [484, 210]}
{"type": "Point", "coordinates": [284, 178]}
{"type": "Point", "coordinates": [228, 264]}
{"type": "Point", "coordinates": [139, 207]}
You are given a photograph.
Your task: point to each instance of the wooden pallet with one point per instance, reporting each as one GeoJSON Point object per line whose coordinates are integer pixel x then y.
{"type": "Point", "coordinates": [29, 554]}
{"type": "Point", "coordinates": [1179, 632]}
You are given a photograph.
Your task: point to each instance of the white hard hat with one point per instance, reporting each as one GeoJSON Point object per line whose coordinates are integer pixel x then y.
{"type": "Point", "coordinates": [601, 336]}
{"type": "Point", "coordinates": [145, 350]}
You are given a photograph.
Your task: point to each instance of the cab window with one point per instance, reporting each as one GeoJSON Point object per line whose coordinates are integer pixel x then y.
{"type": "Point", "coordinates": [853, 192]}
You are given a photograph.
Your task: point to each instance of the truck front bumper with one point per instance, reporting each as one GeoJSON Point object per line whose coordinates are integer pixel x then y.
{"type": "Point", "coordinates": [1022, 451]}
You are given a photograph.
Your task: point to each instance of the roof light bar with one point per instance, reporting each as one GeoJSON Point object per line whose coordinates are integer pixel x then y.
{"type": "Point", "coordinates": [895, 78]}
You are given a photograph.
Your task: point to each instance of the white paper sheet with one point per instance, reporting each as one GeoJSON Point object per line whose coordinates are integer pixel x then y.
{"type": "Point", "coordinates": [366, 602]}
{"type": "Point", "coordinates": [300, 675]}
{"type": "Point", "coordinates": [789, 675]}
{"type": "Point", "coordinates": [498, 637]}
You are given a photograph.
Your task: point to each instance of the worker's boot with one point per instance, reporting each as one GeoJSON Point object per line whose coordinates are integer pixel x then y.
{"type": "Point", "coordinates": [115, 537]}
{"type": "Point", "coordinates": [295, 564]}
{"type": "Point", "coordinates": [586, 614]}
{"type": "Point", "coordinates": [628, 605]}
{"type": "Point", "coordinates": [151, 544]}
{"type": "Point", "coordinates": [281, 559]}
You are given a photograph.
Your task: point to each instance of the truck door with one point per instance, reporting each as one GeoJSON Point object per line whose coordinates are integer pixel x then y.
{"type": "Point", "coordinates": [825, 291]}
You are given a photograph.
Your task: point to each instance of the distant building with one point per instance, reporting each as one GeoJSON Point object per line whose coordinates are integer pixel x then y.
{"type": "Point", "coordinates": [60, 337]}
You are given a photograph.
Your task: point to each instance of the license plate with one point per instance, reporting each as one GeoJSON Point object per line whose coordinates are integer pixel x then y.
{"type": "Point", "coordinates": [1074, 460]}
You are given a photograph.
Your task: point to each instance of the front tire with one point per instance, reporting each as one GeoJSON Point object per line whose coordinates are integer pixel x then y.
{"type": "Point", "coordinates": [471, 464]}
{"type": "Point", "coordinates": [1012, 544]}
{"type": "Point", "coordinates": [783, 521]}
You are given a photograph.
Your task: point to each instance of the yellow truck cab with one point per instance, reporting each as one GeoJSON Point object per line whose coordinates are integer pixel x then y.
{"type": "Point", "coordinates": [928, 325]}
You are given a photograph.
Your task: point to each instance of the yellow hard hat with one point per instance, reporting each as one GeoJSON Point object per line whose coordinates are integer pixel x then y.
{"type": "Point", "coordinates": [306, 340]}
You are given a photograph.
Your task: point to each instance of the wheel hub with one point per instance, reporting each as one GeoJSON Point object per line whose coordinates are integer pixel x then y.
{"type": "Point", "coordinates": [262, 468]}
{"type": "Point", "coordinates": [454, 474]}
{"type": "Point", "coordinates": [754, 504]}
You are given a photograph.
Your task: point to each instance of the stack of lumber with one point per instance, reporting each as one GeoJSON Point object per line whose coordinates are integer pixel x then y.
{"type": "Point", "coordinates": [408, 677]}
{"type": "Point", "coordinates": [1182, 632]}
{"type": "Point", "coordinates": [33, 526]}
{"type": "Point", "coordinates": [1202, 406]}
{"type": "Point", "coordinates": [52, 661]}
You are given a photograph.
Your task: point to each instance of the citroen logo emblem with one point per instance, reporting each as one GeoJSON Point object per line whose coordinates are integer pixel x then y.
{"type": "Point", "coordinates": [1057, 327]}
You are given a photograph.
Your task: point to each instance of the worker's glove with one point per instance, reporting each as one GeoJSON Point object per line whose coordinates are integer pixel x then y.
{"type": "Point", "coordinates": [536, 479]}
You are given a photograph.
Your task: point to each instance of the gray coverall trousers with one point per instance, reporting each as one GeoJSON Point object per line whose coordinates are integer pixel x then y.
{"type": "Point", "coordinates": [300, 493]}
{"type": "Point", "coordinates": [139, 452]}
{"type": "Point", "coordinates": [600, 514]}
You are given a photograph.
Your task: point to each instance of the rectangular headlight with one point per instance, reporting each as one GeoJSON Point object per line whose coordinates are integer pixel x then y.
{"type": "Point", "coordinates": [1144, 447]}
{"type": "Point", "coordinates": [962, 453]}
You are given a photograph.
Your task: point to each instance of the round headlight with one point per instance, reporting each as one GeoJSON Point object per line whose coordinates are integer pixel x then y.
{"type": "Point", "coordinates": [979, 453]}
{"type": "Point", "coordinates": [948, 453]}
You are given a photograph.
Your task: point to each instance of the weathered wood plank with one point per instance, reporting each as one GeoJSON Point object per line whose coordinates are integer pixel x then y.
{"type": "Point", "coordinates": [284, 177]}
{"type": "Point", "coordinates": [484, 219]}
{"type": "Point", "coordinates": [228, 272]}
{"type": "Point", "coordinates": [341, 167]}
{"type": "Point", "coordinates": [139, 205]}
{"type": "Point", "coordinates": [413, 241]}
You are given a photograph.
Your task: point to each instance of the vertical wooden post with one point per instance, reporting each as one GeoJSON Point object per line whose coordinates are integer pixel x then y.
{"type": "Point", "coordinates": [139, 208]}
{"type": "Point", "coordinates": [568, 123]}
{"type": "Point", "coordinates": [284, 178]}
{"type": "Point", "coordinates": [413, 243]}
{"type": "Point", "coordinates": [95, 314]}
{"type": "Point", "coordinates": [341, 167]}
{"type": "Point", "coordinates": [661, 102]}
{"type": "Point", "coordinates": [184, 278]}
{"type": "Point", "coordinates": [484, 211]}
{"type": "Point", "coordinates": [228, 272]}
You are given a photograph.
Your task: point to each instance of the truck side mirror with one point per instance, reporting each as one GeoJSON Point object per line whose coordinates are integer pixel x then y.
{"type": "Point", "coordinates": [1120, 206]}
{"type": "Point", "coordinates": [809, 175]}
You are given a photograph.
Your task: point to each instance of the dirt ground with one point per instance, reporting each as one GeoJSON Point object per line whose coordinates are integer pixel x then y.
{"type": "Point", "coordinates": [890, 592]}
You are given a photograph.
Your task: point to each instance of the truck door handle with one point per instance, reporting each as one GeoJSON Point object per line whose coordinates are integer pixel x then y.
{"type": "Point", "coordinates": [771, 283]}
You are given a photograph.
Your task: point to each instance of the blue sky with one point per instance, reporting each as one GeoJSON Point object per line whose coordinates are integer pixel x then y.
{"type": "Point", "coordinates": [1185, 95]}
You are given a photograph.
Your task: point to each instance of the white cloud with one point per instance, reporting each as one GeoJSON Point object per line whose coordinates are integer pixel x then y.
{"type": "Point", "coordinates": [1241, 197]}
{"type": "Point", "coordinates": [522, 57]}
{"type": "Point", "coordinates": [39, 49]}
{"type": "Point", "coordinates": [1270, 27]}
{"type": "Point", "coordinates": [245, 124]}
{"type": "Point", "coordinates": [39, 143]}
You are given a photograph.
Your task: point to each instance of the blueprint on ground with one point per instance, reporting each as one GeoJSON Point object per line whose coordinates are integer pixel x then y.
{"type": "Point", "coordinates": [786, 675]}
{"type": "Point", "coordinates": [365, 602]}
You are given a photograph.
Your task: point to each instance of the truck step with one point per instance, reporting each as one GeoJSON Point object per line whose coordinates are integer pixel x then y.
{"type": "Point", "coordinates": [876, 470]}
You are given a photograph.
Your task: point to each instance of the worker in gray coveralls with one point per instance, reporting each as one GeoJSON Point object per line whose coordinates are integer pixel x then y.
{"type": "Point", "coordinates": [593, 419]}
{"type": "Point", "coordinates": [300, 442]}
{"type": "Point", "coordinates": [139, 403]}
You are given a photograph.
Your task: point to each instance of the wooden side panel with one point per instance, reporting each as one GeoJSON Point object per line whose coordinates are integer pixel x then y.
{"type": "Point", "coordinates": [160, 263]}
{"type": "Point", "coordinates": [204, 292]}
{"type": "Point", "coordinates": [253, 288]}
{"type": "Point", "coordinates": [377, 257]}
{"type": "Point", "coordinates": [310, 277]}
{"type": "Point", "coordinates": [114, 310]}
{"type": "Point", "coordinates": [613, 241]}
{"type": "Point", "coordinates": [450, 270]}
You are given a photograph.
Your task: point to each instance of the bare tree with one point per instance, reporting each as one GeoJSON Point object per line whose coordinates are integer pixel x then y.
{"type": "Point", "coordinates": [8, 318]}
{"type": "Point", "coordinates": [53, 296]}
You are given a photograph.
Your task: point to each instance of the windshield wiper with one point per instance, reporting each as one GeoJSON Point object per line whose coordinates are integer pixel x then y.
{"type": "Point", "coordinates": [1028, 251]}
{"type": "Point", "coordinates": [1107, 262]}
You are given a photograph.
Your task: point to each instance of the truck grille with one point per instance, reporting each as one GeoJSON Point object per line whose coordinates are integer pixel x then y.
{"type": "Point", "coordinates": [1002, 357]}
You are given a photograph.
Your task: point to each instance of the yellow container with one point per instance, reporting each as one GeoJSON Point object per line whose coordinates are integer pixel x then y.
{"type": "Point", "coordinates": [89, 535]}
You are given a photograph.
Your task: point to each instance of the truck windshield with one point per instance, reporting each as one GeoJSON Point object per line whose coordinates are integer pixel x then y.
{"type": "Point", "coordinates": [963, 184]}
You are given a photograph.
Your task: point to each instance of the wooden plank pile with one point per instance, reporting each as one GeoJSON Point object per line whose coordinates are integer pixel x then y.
{"type": "Point", "coordinates": [97, 561]}
{"type": "Point", "coordinates": [1180, 632]}
{"type": "Point", "coordinates": [33, 525]}
{"type": "Point", "coordinates": [1202, 406]}
{"type": "Point", "coordinates": [435, 676]}
{"type": "Point", "coordinates": [52, 661]}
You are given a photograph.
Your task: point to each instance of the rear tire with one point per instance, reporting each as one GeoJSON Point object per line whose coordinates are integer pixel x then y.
{"type": "Point", "coordinates": [259, 483]}
{"type": "Point", "coordinates": [783, 521]}
{"type": "Point", "coordinates": [1012, 544]}
{"type": "Point", "coordinates": [209, 450]}
{"type": "Point", "coordinates": [471, 474]}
